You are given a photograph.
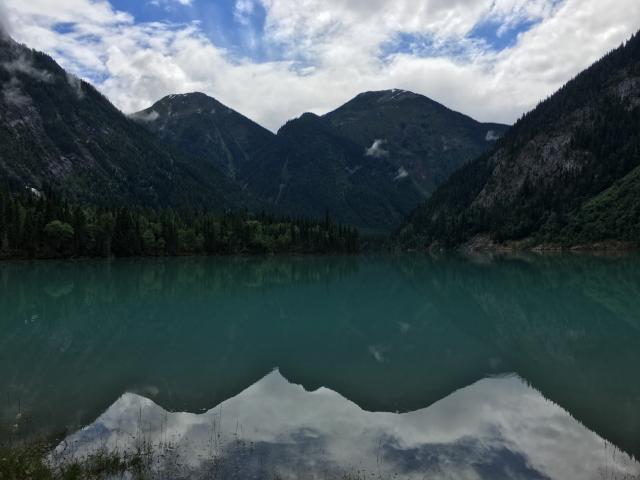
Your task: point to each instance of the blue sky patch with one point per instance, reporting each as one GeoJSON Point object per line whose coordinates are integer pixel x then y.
{"type": "Point", "coordinates": [498, 36]}
{"type": "Point", "coordinates": [489, 35]}
{"type": "Point", "coordinates": [242, 36]}
{"type": "Point", "coordinates": [422, 46]}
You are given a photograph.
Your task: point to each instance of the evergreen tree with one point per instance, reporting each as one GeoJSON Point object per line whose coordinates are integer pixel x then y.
{"type": "Point", "coordinates": [47, 226]}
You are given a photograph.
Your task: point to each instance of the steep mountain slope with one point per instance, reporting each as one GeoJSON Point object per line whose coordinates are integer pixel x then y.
{"type": "Point", "coordinates": [314, 170]}
{"type": "Point", "coordinates": [56, 129]}
{"type": "Point", "coordinates": [203, 127]}
{"type": "Point", "coordinates": [562, 173]}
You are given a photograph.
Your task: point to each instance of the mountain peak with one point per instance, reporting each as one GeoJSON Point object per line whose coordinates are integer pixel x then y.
{"type": "Point", "coordinates": [382, 99]}
{"type": "Point", "coordinates": [308, 116]}
{"type": "Point", "coordinates": [391, 95]}
{"type": "Point", "coordinates": [203, 127]}
{"type": "Point", "coordinates": [187, 97]}
{"type": "Point", "coordinates": [191, 99]}
{"type": "Point", "coordinates": [307, 119]}
{"type": "Point", "coordinates": [180, 105]}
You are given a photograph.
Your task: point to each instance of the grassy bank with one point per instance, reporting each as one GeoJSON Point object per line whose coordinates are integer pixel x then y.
{"type": "Point", "coordinates": [34, 462]}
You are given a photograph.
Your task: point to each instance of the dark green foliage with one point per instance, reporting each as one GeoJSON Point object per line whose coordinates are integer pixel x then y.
{"type": "Point", "coordinates": [30, 461]}
{"type": "Point", "coordinates": [18, 463]}
{"type": "Point", "coordinates": [546, 174]}
{"type": "Point", "coordinates": [44, 225]}
{"type": "Point", "coordinates": [58, 234]}
{"type": "Point", "coordinates": [613, 214]}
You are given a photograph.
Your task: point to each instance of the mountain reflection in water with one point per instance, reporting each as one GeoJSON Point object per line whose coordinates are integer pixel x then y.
{"type": "Point", "coordinates": [388, 334]}
{"type": "Point", "coordinates": [496, 428]}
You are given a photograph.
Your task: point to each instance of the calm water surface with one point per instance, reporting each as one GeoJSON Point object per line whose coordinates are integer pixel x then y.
{"type": "Point", "coordinates": [326, 367]}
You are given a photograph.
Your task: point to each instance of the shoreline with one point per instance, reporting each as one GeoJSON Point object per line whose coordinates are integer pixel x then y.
{"type": "Point", "coordinates": [484, 244]}
{"type": "Point", "coordinates": [186, 255]}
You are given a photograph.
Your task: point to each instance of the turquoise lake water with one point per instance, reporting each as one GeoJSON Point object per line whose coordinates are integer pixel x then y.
{"type": "Point", "coordinates": [311, 367]}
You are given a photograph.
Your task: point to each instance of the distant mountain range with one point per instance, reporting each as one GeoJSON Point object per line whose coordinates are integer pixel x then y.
{"type": "Point", "coordinates": [368, 163]}
{"type": "Point", "coordinates": [566, 174]}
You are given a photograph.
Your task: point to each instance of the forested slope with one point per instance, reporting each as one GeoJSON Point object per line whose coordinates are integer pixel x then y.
{"type": "Point", "coordinates": [559, 175]}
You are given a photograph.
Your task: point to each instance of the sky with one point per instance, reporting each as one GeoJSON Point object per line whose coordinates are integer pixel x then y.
{"type": "Point", "coordinates": [273, 60]}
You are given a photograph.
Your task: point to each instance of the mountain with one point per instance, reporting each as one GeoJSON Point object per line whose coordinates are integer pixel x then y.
{"type": "Point", "coordinates": [368, 163]}
{"type": "Point", "coordinates": [203, 127]}
{"type": "Point", "coordinates": [315, 170]}
{"type": "Point", "coordinates": [413, 133]}
{"type": "Point", "coordinates": [568, 172]}
{"type": "Point", "coordinates": [58, 130]}
{"type": "Point", "coordinates": [372, 161]}
{"type": "Point", "coordinates": [286, 426]}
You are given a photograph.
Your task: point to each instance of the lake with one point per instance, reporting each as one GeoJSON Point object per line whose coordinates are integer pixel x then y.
{"type": "Point", "coordinates": [329, 367]}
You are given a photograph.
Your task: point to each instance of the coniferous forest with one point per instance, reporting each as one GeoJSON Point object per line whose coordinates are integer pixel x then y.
{"type": "Point", "coordinates": [44, 225]}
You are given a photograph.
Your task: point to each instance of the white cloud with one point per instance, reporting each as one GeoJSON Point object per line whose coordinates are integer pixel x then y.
{"type": "Point", "coordinates": [151, 116]}
{"type": "Point", "coordinates": [402, 173]}
{"type": "Point", "coordinates": [330, 50]}
{"type": "Point", "coordinates": [4, 19]}
{"type": "Point", "coordinates": [169, 3]}
{"type": "Point", "coordinates": [12, 94]}
{"type": "Point", "coordinates": [491, 136]}
{"type": "Point", "coordinates": [24, 65]}
{"type": "Point", "coordinates": [376, 150]}
{"type": "Point", "coordinates": [76, 84]}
